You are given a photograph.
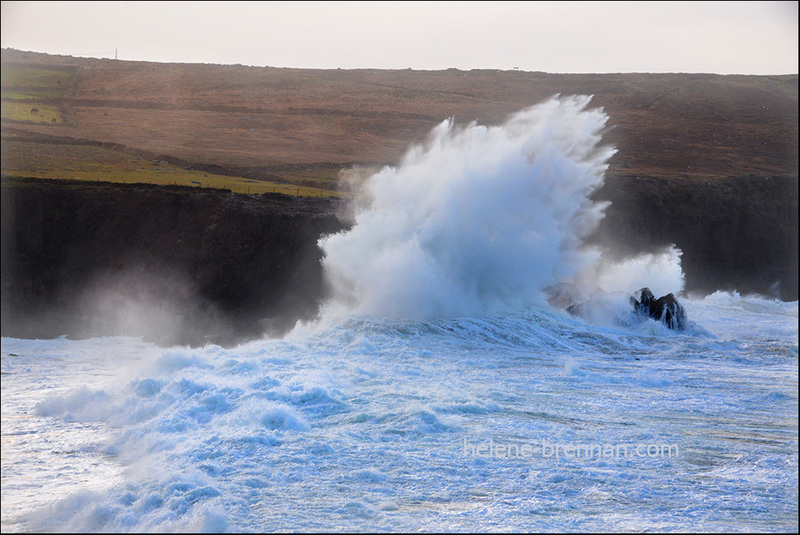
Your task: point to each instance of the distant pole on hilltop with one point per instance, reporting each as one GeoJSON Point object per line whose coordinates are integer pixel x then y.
{"type": "Point", "coordinates": [115, 54]}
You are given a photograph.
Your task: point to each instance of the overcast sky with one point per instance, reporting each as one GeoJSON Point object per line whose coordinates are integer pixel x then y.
{"type": "Point", "coordinates": [557, 37]}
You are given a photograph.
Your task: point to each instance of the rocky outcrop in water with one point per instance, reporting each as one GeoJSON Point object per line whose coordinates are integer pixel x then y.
{"type": "Point", "coordinates": [665, 309]}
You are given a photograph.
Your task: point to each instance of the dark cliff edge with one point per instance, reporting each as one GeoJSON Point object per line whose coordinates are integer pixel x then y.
{"type": "Point", "coordinates": [736, 233]}
{"type": "Point", "coordinates": [186, 266]}
{"type": "Point", "coordinates": [172, 265]}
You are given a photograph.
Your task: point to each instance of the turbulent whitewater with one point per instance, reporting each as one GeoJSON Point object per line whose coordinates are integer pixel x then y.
{"type": "Point", "coordinates": [439, 391]}
{"type": "Point", "coordinates": [372, 425]}
{"type": "Point", "coordinates": [478, 219]}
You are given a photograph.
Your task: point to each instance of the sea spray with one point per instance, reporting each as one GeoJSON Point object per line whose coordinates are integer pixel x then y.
{"type": "Point", "coordinates": [477, 220]}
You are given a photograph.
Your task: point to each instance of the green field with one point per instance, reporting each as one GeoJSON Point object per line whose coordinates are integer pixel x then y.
{"type": "Point", "coordinates": [38, 81]}
{"type": "Point", "coordinates": [28, 93]}
{"type": "Point", "coordinates": [31, 94]}
{"type": "Point", "coordinates": [31, 111]}
{"type": "Point", "coordinates": [139, 171]}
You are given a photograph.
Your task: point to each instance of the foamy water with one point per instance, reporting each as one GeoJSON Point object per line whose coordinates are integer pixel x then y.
{"type": "Point", "coordinates": [438, 391]}
{"type": "Point", "coordinates": [375, 425]}
{"type": "Point", "coordinates": [476, 219]}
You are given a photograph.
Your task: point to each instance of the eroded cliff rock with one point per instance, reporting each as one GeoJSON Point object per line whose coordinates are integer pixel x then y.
{"type": "Point", "coordinates": [174, 265]}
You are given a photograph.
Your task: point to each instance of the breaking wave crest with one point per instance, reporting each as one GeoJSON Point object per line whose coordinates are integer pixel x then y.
{"type": "Point", "coordinates": [476, 219]}
{"type": "Point", "coordinates": [481, 219]}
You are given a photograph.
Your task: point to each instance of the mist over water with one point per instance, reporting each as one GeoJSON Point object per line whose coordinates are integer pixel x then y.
{"type": "Point", "coordinates": [480, 219]}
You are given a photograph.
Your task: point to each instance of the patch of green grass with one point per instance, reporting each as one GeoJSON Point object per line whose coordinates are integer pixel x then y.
{"type": "Point", "coordinates": [30, 94]}
{"type": "Point", "coordinates": [27, 88]}
{"type": "Point", "coordinates": [30, 111]}
{"type": "Point", "coordinates": [138, 171]}
{"type": "Point", "coordinates": [17, 96]}
{"type": "Point", "coordinates": [33, 80]}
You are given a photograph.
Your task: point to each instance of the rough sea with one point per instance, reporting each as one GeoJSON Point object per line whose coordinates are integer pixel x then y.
{"type": "Point", "coordinates": [438, 391]}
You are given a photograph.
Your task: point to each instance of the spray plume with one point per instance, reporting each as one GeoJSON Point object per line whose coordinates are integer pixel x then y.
{"type": "Point", "coordinates": [477, 220]}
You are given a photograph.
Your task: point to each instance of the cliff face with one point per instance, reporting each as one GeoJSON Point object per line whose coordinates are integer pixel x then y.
{"type": "Point", "coordinates": [738, 233]}
{"type": "Point", "coordinates": [171, 265]}
{"type": "Point", "coordinates": [179, 265]}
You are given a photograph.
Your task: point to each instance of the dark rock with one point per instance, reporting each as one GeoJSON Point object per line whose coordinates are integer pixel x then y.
{"type": "Point", "coordinates": [671, 312]}
{"type": "Point", "coordinates": [665, 309]}
{"type": "Point", "coordinates": [576, 309]}
{"type": "Point", "coordinates": [172, 265]}
{"type": "Point", "coordinates": [645, 302]}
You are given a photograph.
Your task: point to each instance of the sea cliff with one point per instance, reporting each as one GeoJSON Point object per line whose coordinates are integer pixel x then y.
{"type": "Point", "coordinates": [183, 265]}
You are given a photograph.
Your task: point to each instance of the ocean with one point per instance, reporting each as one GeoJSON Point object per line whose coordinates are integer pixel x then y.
{"type": "Point", "coordinates": [438, 390]}
{"type": "Point", "coordinates": [387, 425]}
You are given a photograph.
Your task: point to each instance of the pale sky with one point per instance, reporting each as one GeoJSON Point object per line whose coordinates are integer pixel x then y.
{"type": "Point", "coordinates": [555, 37]}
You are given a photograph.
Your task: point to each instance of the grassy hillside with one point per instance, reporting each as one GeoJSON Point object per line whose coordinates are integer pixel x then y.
{"type": "Point", "coordinates": [292, 130]}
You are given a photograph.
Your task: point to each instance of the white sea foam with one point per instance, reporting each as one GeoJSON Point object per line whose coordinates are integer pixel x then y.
{"type": "Point", "coordinates": [362, 426]}
{"type": "Point", "coordinates": [476, 220]}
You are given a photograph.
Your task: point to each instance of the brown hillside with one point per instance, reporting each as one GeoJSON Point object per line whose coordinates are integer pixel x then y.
{"type": "Point", "coordinates": [666, 125]}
